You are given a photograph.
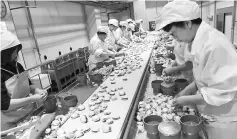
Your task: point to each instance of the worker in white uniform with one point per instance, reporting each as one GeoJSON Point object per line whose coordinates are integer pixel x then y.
{"type": "Point", "coordinates": [129, 21]}
{"type": "Point", "coordinates": [214, 59]}
{"type": "Point", "coordinates": [18, 94]}
{"type": "Point", "coordinates": [140, 22]}
{"type": "Point", "coordinates": [125, 33]}
{"type": "Point", "coordinates": [182, 62]}
{"type": "Point", "coordinates": [98, 48]}
{"type": "Point", "coordinates": [114, 34]}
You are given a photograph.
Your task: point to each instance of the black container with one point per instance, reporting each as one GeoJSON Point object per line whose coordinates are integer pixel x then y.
{"type": "Point", "coordinates": [50, 104]}
{"type": "Point", "coordinates": [156, 85]}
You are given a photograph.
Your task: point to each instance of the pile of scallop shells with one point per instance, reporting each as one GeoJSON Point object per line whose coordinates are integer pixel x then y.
{"type": "Point", "coordinates": [95, 111]}
{"type": "Point", "coordinates": [160, 105]}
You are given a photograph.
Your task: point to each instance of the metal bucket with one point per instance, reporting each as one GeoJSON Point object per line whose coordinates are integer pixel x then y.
{"type": "Point", "coordinates": [50, 104]}
{"type": "Point", "coordinates": [191, 126]}
{"type": "Point", "coordinates": [156, 85]}
{"type": "Point", "coordinates": [180, 84]}
{"type": "Point", "coordinates": [151, 126]}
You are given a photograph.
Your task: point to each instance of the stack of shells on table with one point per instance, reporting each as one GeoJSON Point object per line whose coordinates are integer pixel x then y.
{"type": "Point", "coordinates": [97, 105]}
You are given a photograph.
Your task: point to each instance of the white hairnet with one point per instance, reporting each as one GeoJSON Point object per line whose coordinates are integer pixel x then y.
{"type": "Point", "coordinates": [131, 26]}
{"type": "Point", "coordinates": [104, 29]}
{"type": "Point", "coordinates": [176, 11]}
{"type": "Point", "coordinates": [113, 22]}
{"type": "Point", "coordinates": [129, 20]}
{"type": "Point", "coordinates": [123, 23]}
{"type": "Point", "coordinates": [8, 40]}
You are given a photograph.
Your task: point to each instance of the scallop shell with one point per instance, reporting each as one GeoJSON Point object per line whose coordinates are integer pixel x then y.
{"type": "Point", "coordinates": [109, 121]}
{"type": "Point", "coordinates": [75, 115]}
{"type": "Point", "coordinates": [47, 131]}
{"type": "Point", "coordinates": [95, 118]}
{"type": "Point", "coordinates": [95, 129]}
{"type": "Point", "coordinates": [84, 119]}
{"type": "Point", "coordinates": [124, 98]}
{"type": "Point", "coordinates": [91, 113]}
{"type": "Point", "coordinates": [122, 93]}
{"type": "Point", "coordinates": [81, 107]}
{"type": "Point", "coordinates": [107, 112]}
{"type": "Point", "coordinates": [79, 134]}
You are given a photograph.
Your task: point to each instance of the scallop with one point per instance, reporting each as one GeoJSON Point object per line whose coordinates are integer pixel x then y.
{"type": "Point", "coordinates": [92, 108]}
{"type": "Point", "coordinates": [139, 118]}
{"type": "Point", "coordinates": [122, 93]}
{"type": "Point", "coordinates": [47, 131]}
{"type": "Point", "coordinates": [95, 129]}
{"type": "Point", "coordinates": [148, 112]}
{"type": "Point", "coordinates": [91, 113]}
{"type": "Point", "coordinates": [177, 119]}
{"type": "Point", "coordinates": [125, 78]}
{"type": "Point", "coordinates": [84, 119]}
{"type": "Point", "coordinates": [54, 127]}
{"type": "Point", "coordinates": [164, 116]}
{"type": "Point", "coordinates": [164, 110]}
{"type": "Point", "coordinates": [148, 106]}
{"type": "Point", "coordinates": [95, 118]}
{"type": "Point", "coordinates": [120, 88]}
{"type": "Point", "coordinates": [79, 134]}
{"type": "Point", "coordinates": [75, 115]}
{"type": "Point", "coordinates": [106, 128]}
{"type": "Point", "coordinates": [112, 93]}
{"type": "Point", "coordinates": [140, 123]}
{"type": "Point", "coordinates": [158, 113]}
{"type": "Point", "coordinates": [81, 107]}
{"type": "Point", "coordinates": [109, 121]}
{"type": "Point", "coordinates": [105, 118]}
{"type": "Point", "coordinates": [159, 101]}
{"type": "Point", "coordinates": [104, 106]}
{"type": "Point", "coordinates": [124, 98]}
{"type": "Point", "coordinates": [154, 105]}
{"type": "Point", "coordinates": [163, 105]}
{"type": "Point", "coordinates": [116, 117]}
{"type": "Point", "coordinates": [98, 101]}
{"type": "Point", "coordinates": [140, 129]}
{"type": "Point", "coordinates": [169, 116]}
{"type": "Point", "coordinates": [103, 86]}
{"type": "Point", "coordinates": [113, 82]}
{"type": "Point", "coordinates": [85, 129]}
{"type": "Point", "coordinates": [91, 103]}
{"type": "Point", "coordinates": [107, 112]}
{"type": "Point", "coordinates": [55, 123]}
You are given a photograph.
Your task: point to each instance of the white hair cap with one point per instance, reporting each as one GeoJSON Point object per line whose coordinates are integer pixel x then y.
{"type": "Point", "coordinates": [113, 22]}
{"type": "Point", "coordinates": [8, 40]}
{"type": "Point", "coordinates": [104, 29]}
{"type": "Point", "coordinates": [131, 26]}
{"type": "Point", "coordinates": [177, 11]}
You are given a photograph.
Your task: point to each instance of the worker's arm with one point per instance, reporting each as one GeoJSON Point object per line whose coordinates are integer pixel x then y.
{"type": "Point", "coordinates": [189, 90]}
{"type": "Point", "coordinates": [184, 67]}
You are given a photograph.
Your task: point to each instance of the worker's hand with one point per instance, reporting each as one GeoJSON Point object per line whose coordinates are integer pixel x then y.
{"type": "Point", "coordinates": [181, 101]}
{"type": "Point", "coordinates": [184, 92]}
{"type": "Point", "coordinates": [169, 70]}
{"type": "Point", "coordinates": [41, 91]}
{"type": "Point", "coordinates": [38, 97]}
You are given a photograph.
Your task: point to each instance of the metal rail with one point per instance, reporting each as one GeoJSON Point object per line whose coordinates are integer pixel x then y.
{"type": "Point", "coordinates": [132, 110]}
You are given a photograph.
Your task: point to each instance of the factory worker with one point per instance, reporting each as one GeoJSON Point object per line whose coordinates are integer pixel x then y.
{"type": "Point", "coordinates": [125, 32]}
{"type": "Point", "coordinates": [129, 21]}
{"type": "Point", "coordinates": [140, 22]}
{"type": "Point", "coordinates": [98, 48]}
{"type": "Point", "coordinates": [214, 67]}
{"type": "Point", "coordinates": [114, 34]}
{"type": "Point", "coordinates": [182, 62]}
{"type": "Point", "coordinates": [130, 29]}
{"type": "Point", "coordinates": [18, 95]}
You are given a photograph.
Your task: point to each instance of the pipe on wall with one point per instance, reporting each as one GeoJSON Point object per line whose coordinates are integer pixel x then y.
{"type": "Point", "coordinates": [233, 23]}
{"type": "Point", "coordinates": [33, 30]}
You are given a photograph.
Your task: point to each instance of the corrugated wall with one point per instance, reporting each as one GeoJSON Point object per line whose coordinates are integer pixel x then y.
{"type": "Point", "coordinates": [58, 26]}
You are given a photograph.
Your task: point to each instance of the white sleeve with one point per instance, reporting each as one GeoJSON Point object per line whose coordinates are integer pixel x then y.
{"type": "Point", "coordinates": [219, 75]}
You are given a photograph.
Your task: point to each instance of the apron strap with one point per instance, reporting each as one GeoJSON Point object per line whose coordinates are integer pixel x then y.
{"type": "Point", "coordinates": [10, 71]}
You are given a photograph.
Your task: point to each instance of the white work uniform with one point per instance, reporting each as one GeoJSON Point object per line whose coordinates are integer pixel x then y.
{"type": "Point", "coordinates": [111, 40]}
{"type": "Point", "coordinates": [215, 71]}
{"type": "Point", "coordinates": [17, 87]}
{"type": "Point", "coordinates": [96, 48]}
{"type": "Point", "coordinates": [182, 55]}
